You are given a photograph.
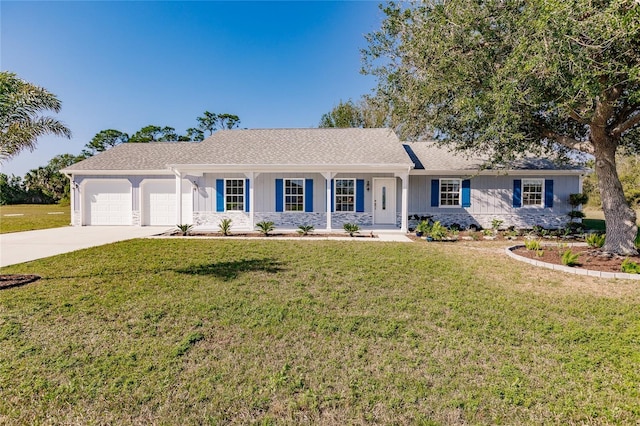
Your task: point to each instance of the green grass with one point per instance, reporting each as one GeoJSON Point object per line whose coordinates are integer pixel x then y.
{"type": "Point", "coordinates": [33, 216]}
{"type": "Point", "coordinates": [283, 332]}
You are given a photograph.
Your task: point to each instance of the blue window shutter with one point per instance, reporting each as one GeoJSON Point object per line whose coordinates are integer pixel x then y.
{"type": "Point", "coordinates": [466, 193]}
{"type": "Point", "coordinates": [517, 193]}
{"type": "Point", "coordinates": [332, 197]}
{"type": "Point", "coordinates": [219, 195]}
{"type": "Point", "coordinates": [308, 195]}
{"type": "Point", "coordinates": [548, 192]}
{"type": "Point", "coordinates": [246, 195]}
{"type": "Point", "coordinates": [435, 192]}
{"type": "Point", "coordinates": [360, 195]}
{"type": "Point", "coordinates": [279, 195]}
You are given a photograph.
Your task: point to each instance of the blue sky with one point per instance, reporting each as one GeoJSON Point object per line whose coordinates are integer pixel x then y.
{"type": "Point", "coordinates": [125, 65]}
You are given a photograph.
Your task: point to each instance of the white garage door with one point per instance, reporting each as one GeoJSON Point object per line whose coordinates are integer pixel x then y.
{"type": "Point", "coordinates": [107, 202]}
{"type": "Point", "coordinates": [159, 202]}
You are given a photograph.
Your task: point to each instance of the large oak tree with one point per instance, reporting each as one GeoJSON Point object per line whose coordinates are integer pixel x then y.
{"type": "Point", "coordinates": [509, 78]}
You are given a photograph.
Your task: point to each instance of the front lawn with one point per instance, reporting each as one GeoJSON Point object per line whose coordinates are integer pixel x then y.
{"type": "Point", "coordinates": [226, 331]}
{"type": "Point", "coordinates": [27, 217]}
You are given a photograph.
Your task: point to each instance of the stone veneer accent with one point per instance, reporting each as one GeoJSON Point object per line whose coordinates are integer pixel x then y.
{"type": "Point", "coordinates": [293, 220]}
{"type": "Point", "coordinates": [239, 220]}
{"type": "Point", "coordinates": [340, 218]}
{"type": "Point", "coordinates": [136, 219]}
{"type": "Point", "coordinates": [519, 221]}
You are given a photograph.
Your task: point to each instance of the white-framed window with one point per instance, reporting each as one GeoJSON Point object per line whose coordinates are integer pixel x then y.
{"type": "Point", "coordinates": [533, 192]}
{"type": "Point", "coordinates": [450, 192]}
{"type": "Point", "coordinates": [293, 195]}
{"type": "Point", "coordinates": [345, 195]}
{"type": "Point", "coordinates": [234, 194]}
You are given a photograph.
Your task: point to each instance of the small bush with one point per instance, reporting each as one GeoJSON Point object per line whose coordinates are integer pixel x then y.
{"type": "Point", "coordinates": [455, 227]}
{"type": "Point", "coordinates": [225, 226]}
{"type": "Point", "coordinates": [185, 228]}
{"type": "Point", "coordinates": [532, 245]}
{"type": "Point", "coordinates": [495, 224]}
{"type": "Point", "coordinates": [630, 267]}
{"type": "Point", "coordinates": [423, 227]}
{"type": "Point", "coordinates": [570, 258]}
{"type": "Point", "coordinates": [265, 227]}
{"type": "Point", "coordinates": [305, 229]}
{"type": "Point", "coordinates": [595, 240]}
{"type": "Point", "coordinates": [438, 231]}
{"type": "Point", "coordinates": [351, 228]}
{"type": "Point", "coordinates": [539, 253]}
{"type": "Point", "coordinates": [576, 214]}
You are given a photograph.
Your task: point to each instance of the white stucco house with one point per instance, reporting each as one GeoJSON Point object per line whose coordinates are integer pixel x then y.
{"type": "Point", "coordinates": [320, 177]}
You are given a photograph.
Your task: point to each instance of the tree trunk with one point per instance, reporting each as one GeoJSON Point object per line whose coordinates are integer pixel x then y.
{"type": "Point", "coordinates": [619, 217]}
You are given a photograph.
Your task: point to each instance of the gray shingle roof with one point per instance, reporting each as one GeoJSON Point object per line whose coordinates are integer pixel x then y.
{"type": "Point", "coordinates": [294, 147]}
{"type": "Point", "coordinates": [258, 147]}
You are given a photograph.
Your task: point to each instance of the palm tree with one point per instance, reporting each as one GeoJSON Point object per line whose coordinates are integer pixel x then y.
{"type": "Point", "coordinates": [21, 122]}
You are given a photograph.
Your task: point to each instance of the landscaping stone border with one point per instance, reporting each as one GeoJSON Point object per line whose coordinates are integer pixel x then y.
{"type": "Point", "coordinates": [567, 269]}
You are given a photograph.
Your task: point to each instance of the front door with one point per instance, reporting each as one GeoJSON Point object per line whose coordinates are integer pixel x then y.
{"type": "Point", "coordinates": [384, 201]}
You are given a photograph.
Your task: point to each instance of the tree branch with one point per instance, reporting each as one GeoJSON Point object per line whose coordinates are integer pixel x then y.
{"type": "Point", "coordinates": [626, 125]}
{"type": "Point", "coordinates": [574, 114]}
{"type": "Point", "coordinates": [568, 141]}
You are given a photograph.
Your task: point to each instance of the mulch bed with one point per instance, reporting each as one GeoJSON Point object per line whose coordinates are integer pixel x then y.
{"type": "Point", "coordinates": [15, 280]}
{"type": "Point", "coordinates": [590, 258]}
{"type": "Point", "coordinates": [272, 234]}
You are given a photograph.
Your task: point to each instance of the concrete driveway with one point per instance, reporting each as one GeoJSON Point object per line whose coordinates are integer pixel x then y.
{"type": "Point", "coordinates": [21, 247]}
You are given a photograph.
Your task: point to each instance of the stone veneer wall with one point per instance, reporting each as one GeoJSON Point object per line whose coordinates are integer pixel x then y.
{"type": "Point", "coordinates": [293, 220]}
{"type": "Point", "coordinates": [136, 219]}
{"type": "Point", "coordinates": [519, 221]}
{"type": "Point", "coordinates": [239, 220]}
{"type": "Point", "coordinates": [340, 218]}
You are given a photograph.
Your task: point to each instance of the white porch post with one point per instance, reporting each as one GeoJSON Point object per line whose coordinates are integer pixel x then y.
{"type": "Point", "coordinates": [328, 176]}
{"type": "Point", "coordinates": [404, 221]}
{"type": "Point", "coordinates": [252, 199]}
{"type": "Point", "coordinates": [72, 193]}
{"type": "Point", "coordinates": [179, 176]}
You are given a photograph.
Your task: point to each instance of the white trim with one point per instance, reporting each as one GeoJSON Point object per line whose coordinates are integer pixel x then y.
{"type": "Point", "coordinates": [542, 195]}
{"type": "Point", "coordinates": [284, 194]}
{"type": "Point", "coordinates": [168, 172]}
{"type": "Point", "coordinates": [450, 206]}
{"type": "Point", "coordinates": [355, 195]}
{"type": "Point", "coordinates": [244, 201]}
{"type": "Point", "coordinates": [293, 168]}
{"type": "Point", "coordinates": [514, 173]}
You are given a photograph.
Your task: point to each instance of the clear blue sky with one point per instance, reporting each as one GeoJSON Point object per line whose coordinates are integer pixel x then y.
{"type": "Point", "coordinates": [125, 65]}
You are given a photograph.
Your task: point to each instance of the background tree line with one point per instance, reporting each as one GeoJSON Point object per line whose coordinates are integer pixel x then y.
{"type": "Point", "coordinates": [46, 185]}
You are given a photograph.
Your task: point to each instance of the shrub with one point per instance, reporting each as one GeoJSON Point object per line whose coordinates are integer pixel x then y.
{"type": "Point", "coordinates": [423, 227]}
{"type": "Point", "coordinates": [630, 267]}
{"type": "Point", "coordinates": [225, 226]}
{"type": "Point", "coordinates": [495, 224]}
{"type": "Point", "coordinates": [438, 231]}
{"type": "Point", "coordinates": [595, 240]}
{"type": "Point", "coordinates": [265, 227]}
{"type": "Point", "coordinates": [455, 227]}
{"type": "Point", "coordinates": [532, 245]}
{"type": "Point", "coordinates": [578, 199]}
{"type": "Point", "coordinates": [576, 214]}
{"type": "Point", "coordinates": [570, 258]}
{"type": "Point", "coordinates": [305, 229]}
{"type": "Point", "coordinates": [185, 228]}
{"type": "Point", "coordinates": [351, 228]}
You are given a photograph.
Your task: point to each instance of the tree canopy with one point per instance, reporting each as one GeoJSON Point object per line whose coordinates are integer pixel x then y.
{"type": "Point", "coordinates": [368, 112]}
{"type": "Point", "coordinates": [104, 140]}
{"type": "Point", "coordinates": [511, 78]}
{"type": "Point", "coordinates": [21, 122]}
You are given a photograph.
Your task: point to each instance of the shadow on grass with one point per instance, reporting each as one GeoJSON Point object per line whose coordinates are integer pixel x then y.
{"type": "Point", "coordinates": [231, 270]}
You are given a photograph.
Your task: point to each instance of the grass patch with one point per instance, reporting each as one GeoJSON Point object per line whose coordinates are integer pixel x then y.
{"type": "Point", "coordinates": [27, 217]}
{"type": "Point", "coordinates": [227, 331]}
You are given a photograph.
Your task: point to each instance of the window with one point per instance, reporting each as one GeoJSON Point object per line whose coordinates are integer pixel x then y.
{"type": "Point", "coordinates": [532, 192]}
{"type": "Point", "coordinates": [234, 194]}
{"type": "Point", "coordinates": [345, 193]}
{"type": "Point", "coordinates": [450, 192]}
{"type": "Point", "coordinates": [294, 195]}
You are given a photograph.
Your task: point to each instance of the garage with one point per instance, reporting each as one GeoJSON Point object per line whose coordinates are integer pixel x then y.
{"type": "Point", "coordinates": [107, 202]}
{"type": "Point", "coordinates": [159, 202]}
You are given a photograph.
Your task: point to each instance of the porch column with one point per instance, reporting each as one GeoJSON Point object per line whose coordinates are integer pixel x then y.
{"type": "Point", "coordinates": [72, 194]}
{"type": "Point", "coordinates": [252, 199]}
{"type": "Point", "coordinates": [328, 176]}
{"type": "Point", "coordinates": [179, 176]}
{"type": "Point", "coordinates": [404, 221]}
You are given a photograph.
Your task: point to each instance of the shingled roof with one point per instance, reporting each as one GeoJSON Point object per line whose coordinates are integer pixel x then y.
{"type": "Point", "coordinates": [258, 147]}
{"type": "Point", "coordinates": [310, 149]}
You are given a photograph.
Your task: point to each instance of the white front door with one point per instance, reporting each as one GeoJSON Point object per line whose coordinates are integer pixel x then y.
{"type": "Point", "coordinates": [384, 201]}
